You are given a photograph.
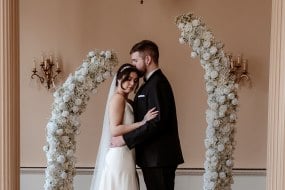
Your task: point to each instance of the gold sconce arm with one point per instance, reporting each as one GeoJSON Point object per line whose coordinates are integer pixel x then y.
{"type": "Point", "coordinates": [239, 68]}
{"type": "Point", "coordinates": [47, 71]}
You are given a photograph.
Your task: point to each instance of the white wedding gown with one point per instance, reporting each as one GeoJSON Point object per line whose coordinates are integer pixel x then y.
{"type": "Point", "coordinates": [119, 172]}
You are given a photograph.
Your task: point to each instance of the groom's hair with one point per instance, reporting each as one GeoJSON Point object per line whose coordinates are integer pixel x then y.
{"type": "Point", "coordinates": [124, 72]}
{"type": "Point", "coordinates": [147, 47]}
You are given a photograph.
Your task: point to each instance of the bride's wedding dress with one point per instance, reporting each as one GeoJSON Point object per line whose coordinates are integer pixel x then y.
{"type": "Point", "coordinates": [119, 172]}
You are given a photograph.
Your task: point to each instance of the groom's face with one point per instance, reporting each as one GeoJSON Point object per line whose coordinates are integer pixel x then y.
{"type": "Point", "coordinates": [138, 60]}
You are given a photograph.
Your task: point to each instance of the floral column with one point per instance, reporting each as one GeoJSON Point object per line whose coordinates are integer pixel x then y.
{"type": "Point", "coordinates": [9, 95]}
{"type": "Point", "coordinates": [276, 107]}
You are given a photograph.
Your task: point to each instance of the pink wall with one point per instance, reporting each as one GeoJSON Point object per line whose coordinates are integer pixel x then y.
{"type": "Point", "coordinates": [70, 28]}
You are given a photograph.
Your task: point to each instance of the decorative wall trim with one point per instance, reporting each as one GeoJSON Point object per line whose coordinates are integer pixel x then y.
{"type": "Point", "coordinates": [276, 106]}
{"type": "Point", "coordinates": [179, 171]}
{"type": "Point", "coordinates": [9, 96]}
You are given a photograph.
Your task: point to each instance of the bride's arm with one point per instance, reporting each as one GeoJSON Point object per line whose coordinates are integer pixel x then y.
{"type": "Point", "coordinates": [116, 117]}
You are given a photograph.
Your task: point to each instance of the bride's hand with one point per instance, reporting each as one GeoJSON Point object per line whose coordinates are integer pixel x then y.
{"type": "Point", "coordinates": [151, 114]}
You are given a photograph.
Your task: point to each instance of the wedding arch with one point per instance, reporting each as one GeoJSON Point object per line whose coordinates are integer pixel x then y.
{"type": "Point", "coordinates": [70, 100]}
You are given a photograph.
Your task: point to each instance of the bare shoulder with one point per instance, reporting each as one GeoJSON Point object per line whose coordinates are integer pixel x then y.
{"type": "Point", "coordinates": [117, 100]}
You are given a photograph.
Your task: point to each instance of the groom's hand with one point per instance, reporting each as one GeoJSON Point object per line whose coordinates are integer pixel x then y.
{"type": "Point", "coordinates": [117, 141]}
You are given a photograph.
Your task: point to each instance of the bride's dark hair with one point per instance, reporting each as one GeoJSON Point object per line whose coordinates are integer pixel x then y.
{"type": "Point", "coordinates": [124, 72]}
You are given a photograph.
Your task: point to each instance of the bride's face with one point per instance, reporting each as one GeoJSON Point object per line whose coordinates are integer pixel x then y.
{"type": "Point", "coordinates": [130, 84]}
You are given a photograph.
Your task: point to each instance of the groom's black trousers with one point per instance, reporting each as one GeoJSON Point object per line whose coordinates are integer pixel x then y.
{"type": "Point", "coordinates": [157, 178]}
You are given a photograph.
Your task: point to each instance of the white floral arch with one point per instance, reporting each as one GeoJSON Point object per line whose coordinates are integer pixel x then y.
{"type": "Point", "coordinates": [71, 98]}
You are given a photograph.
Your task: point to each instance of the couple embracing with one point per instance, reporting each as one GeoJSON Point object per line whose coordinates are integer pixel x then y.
{"type": "Point", "coordinates": [143, 131]}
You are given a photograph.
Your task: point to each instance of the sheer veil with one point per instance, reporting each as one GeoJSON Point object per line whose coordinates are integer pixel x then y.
{"type": "Point", "coordinates": [104, 142]}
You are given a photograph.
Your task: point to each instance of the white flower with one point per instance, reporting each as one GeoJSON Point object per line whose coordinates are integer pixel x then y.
{"type": "Point", "coordinates": [193, 54]}
{"type": "Point", "coordinates": [78, 101]}
{"type": "Point", "coordinates": [108, 54]}
{"type": "Point", "coordinates": [75, 109]}
{"type": "Point", "coordinates": [65, 114]}
{"type": "Point", "coordinates": [188, 27]}
{"type": "Point", "coordinates": [45, 148]}
{"type": "Point", "coordinates": [65, 139]}
{"type": "Point", "coordinates": [229, 163]}
{"type": "Point", "coordinates": [214, 74]}
{"type": "Point", "coordinates": [106, 75]}
{"type": "Point", "coordinates": [221, 147]}
{"type": "Point", "coordinates": [207, 43]}
{"type": "Point", "coordinates": [99, 79]}
{"type": "Point", "coordinates": [206, 56]}
{"type": "Point", "coordinates": [59, 132]}
{"type": "Point", "coordinates": [91, 54]}
{"type": "Point", "coordinates": [180, 26]}
{"type": "Point", "coordinates": [196, 43]}
{"type": "Point", "coordinates": [85, 64]}
{"type": "Point", "coordinates": [213, 50]}
{"type": "Point", "coordinates": [182, 40]}
{"type": "Point", "coordinates": [195, 22]}
{"type": "Point", "coordinates": [61, 159]}
{"type": "Point", "coordinates": [234, 101]}
{"type": "Point", "coordinates": [231, 96]}
{"type": "Point", "coordinates": [63, 175]}
{"type": "Point", "coordinates": [66, 97]}
{"type": "Point", "coordinates": [70, 153]}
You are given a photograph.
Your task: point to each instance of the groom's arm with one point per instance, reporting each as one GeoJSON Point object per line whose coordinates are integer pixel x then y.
{"type": "Point", "coordinates": [160, 97]}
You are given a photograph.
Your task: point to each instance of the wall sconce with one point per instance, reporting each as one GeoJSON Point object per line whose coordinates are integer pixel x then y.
{"type": "Point", "coordinates": [48, 72]}
{"type": "Point", "coordinates": [238, 67]}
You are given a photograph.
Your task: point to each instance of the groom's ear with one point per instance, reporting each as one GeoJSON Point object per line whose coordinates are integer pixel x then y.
{"type": "Point", "coordinates": [148, 59]}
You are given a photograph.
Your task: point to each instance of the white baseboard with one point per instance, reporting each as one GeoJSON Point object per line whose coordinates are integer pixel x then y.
{"type": "Point", "coordinates": [186, 178]}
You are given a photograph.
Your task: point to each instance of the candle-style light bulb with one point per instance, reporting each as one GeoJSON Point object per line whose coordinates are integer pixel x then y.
{"type": "Point", "coordinates": [34, 61]}
{"type": "Point", "coordinates": [244, 64]}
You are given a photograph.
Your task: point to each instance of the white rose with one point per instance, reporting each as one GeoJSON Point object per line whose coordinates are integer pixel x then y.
{"type": "Point", "coordinates": [106, 75]}
{"type": "Point", "coordinates": [108, 54]}
{"type": "Point", "coordinates": [182, 40]}
{"type": "Point", "coordinates": [91, 54]}
{"type": "Point", "coordinates": [229, 163]}
{"type": "Point", "coordinates": [85, 64]}
{"type": "Point", "coordinates": [66, 97]}
{"type": "Point", "coordinates": [80, 78]}
{"type": "Point", "coordinates": [65, 113]}
{"type": "Point", "coordinates": [206, 56]}
{"type": "Point", "coordinates": [221, 147]}
{"type": "Point", "coordinates": [75, 109]}
{"type": "Point", "coordinates": [213, 50]}
{"type": "Point", "coordinates": [59, 132]}
{"type": "Point", "coordinates": [63, 175]}
{"type": "Point", "coordinates": [196, 43]}
{"type": "Point", "coordinates": [78, 102]}
{"type": "Point", "coordinates": [206, 44]}
{"type": "Point", "coordinates": [70, 153]}
{"type": "Point", "coordinates": [99, 79]}
{"type": "Point", "coordinates": [61, 159]}
{"type": "Point", "coordinates": [65, 139]}
{"type": "Point", "coordinates": [180, 26]}
{"type": "Point", "coordinates": [188, 27]}
{"type": "Point", "coordinates": [235, 101]}
{"type": "Point", "coordinates": [193, 54]}
{"type": "Point", "coordinates": [195, 22]}
{"type": "Point", "coordinates": [71, 87]}
{"type": "Point", "coordinates": [231, 96]}
{"type": "Point", "coordinates": [45, 148]}
{"type": "Point", "coordinates": [214, 74]}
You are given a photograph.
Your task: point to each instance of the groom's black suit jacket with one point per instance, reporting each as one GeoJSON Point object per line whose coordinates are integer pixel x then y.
{"type": "Point", "coordinates": [157, 142]}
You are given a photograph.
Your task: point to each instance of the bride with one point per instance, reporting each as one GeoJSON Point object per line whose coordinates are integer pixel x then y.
{"type": "Point", "coordinates": [115, 167]}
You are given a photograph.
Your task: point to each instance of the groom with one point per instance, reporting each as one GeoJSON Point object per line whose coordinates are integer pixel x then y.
{"type": "Point", "coordinates": [157, 144]}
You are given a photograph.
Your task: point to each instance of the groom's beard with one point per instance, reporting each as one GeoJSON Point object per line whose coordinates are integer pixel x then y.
{"type": "Point", "coordinates": [141, 74]}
